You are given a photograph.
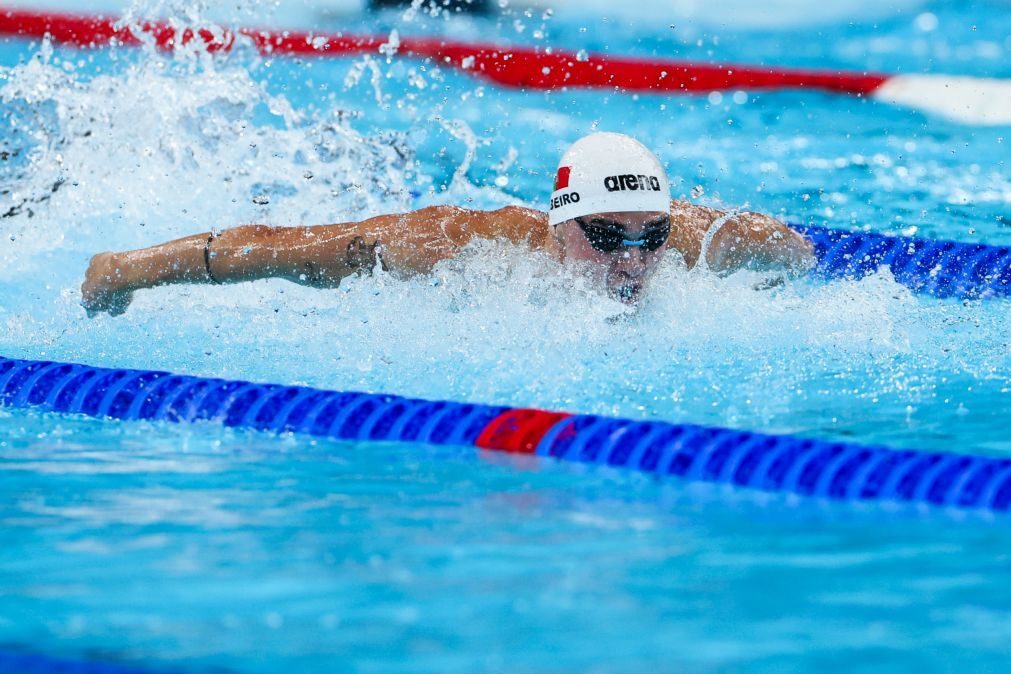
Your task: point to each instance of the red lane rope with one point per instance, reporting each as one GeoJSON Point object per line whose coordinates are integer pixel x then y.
{"type": "Point", "coordinates": [522, 67]}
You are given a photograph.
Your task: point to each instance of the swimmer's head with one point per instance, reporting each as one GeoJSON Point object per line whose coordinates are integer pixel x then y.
{"type": "Point", "coordinates": [611, 208]}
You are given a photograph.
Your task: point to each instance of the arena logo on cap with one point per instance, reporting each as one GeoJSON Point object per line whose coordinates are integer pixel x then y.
{"type": "Point", "coordinates": [627, 181]}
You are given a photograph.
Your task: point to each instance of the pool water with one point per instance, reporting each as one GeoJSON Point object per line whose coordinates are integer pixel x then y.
{"type": "Point", "coordinates": [206, 548]}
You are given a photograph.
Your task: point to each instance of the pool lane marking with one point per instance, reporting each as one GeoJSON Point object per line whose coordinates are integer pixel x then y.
{"type": "Point", "coordinates": [518, 431]}
{"type": "Point", "coordinates": [778, 463]}
{"type": "Point", "coordinates": [969, 270]}
{"type": "Point", "coordinates": [969, 100]}
{"type": "Point", "coordinates": [25, 662]}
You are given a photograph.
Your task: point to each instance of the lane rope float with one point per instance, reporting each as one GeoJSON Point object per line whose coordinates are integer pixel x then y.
{"type": "Point", "coordinates": [971, 100]}
{"type": "Point", "coordinates": [772, 463]}
{"type": "Point", "coordinates": [13, 662]}
{"type": "Point", "coordinates": [933, 267]}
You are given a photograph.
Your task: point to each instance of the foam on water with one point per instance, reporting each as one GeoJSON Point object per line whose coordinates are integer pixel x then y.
{"type": "Point", "coordinates": [163, 146]}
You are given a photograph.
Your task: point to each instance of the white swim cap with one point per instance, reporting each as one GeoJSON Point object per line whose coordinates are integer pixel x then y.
{"type": "Point", "coordinates": [608, 172]}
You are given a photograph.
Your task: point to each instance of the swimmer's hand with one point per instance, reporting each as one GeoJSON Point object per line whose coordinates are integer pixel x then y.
{"type": "Point", "coordinates": [104, 289]}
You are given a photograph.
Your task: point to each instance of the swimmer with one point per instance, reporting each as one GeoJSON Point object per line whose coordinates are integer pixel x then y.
{"type": "Point", "coordinates": [610, 214]}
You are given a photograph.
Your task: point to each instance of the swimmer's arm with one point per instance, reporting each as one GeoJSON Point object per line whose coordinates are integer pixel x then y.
{"type": "Point", "coordinates": [240, 254]}
{"type": "Point", "coordinates": [746, 241]}
{"type": "Point", "coordinates": [318, 256]}
{"type": "Point", "coordinates": [761, 243]}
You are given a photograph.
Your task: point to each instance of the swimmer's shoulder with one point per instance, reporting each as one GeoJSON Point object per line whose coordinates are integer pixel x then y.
{"type": "Point", "coordinates": [525, 225]}
{"type": "Point", "coordinates": [687, 215]}
{"type": "Point", "coordinates": [689, 224]}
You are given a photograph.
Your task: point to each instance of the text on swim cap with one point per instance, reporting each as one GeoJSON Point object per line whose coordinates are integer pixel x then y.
{"type": "Point", "coordinates": [564, 200]}
{"type": "Point", "coordinates": [627, 181]}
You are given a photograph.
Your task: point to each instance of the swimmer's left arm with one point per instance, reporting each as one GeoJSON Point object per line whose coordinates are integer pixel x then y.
{"type": "Point", "coordinates": [758, 242]}
{"type": "Point", "coordinates": [740, 240]}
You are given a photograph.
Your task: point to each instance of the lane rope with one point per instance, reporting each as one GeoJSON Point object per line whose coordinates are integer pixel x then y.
{"type": "Point", "coordinates": [971, 100]}
{"type": "Point", "coordinates": [772, 463]}
{"type": "Point", "coordinates": [945, 269]}
{"type": "Point", "coordinates": [12, 662]}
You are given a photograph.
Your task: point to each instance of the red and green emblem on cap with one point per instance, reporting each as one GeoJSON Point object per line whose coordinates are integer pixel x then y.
{"type": "Point", "coordinates": [562, 179]}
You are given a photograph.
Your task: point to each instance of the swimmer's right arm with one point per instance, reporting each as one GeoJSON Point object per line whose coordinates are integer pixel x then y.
{"type": "Point", "coordinates": [319, 256]}
{"type": "Point", "coordinates": [239, 254]}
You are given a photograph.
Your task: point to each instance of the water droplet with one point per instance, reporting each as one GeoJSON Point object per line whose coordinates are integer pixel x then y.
{"type": "Point", "coordinates": [926, 22]}
{"type": "Point", "coordinates": [582, 55]}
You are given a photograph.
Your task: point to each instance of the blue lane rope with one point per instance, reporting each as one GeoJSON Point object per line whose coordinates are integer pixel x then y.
{"type": "Point", "coordinates": [33, 663]}
{"type": "Point", "coordinates": [933, 267]}
{"type": "Point", "coordinates": [773, 463]}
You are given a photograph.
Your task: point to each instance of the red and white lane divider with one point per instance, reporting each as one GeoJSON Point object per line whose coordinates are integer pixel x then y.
{"type": "Point", "coordinates": [971, 100]}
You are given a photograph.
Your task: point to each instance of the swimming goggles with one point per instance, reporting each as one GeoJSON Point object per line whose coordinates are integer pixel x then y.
{"type": "Point", "coordinates": [607, 237]}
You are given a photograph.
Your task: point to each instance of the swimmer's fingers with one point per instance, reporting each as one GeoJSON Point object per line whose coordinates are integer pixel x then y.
{"type": "Point", "coordinates": [112, 303]}
{"type": "Point", "coordinates": [770, 283]}
{"type": "Point", "coordinates": [93, 310]}
{"type": "Point", "coordinates": [90, 300]}
{"type": "Point", "coordinates": [102, 290]}
{"type": "Point", "coordinates": [91, 307]}
{"type": "Point", "coordinates": [118, 303]}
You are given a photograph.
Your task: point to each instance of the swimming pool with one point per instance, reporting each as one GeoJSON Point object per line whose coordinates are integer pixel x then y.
{"type": "Point", "coordinates": [201, 547]}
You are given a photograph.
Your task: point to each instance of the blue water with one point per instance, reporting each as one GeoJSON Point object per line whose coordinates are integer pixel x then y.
{"type": "Point", "coordinates": [206, 548]}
